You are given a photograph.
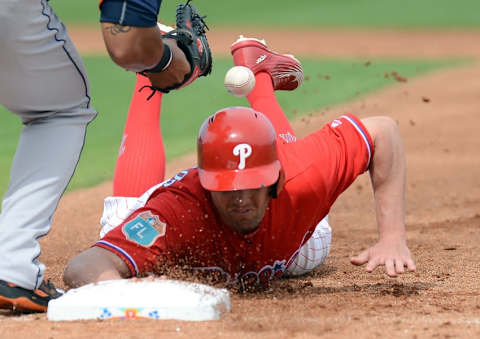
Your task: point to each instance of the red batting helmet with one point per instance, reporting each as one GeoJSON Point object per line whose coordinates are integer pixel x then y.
{"type": "Point", "coordinates": [236, 150]}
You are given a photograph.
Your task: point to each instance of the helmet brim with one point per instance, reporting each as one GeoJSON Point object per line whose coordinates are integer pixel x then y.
{"type": "Point", "coordinates": [234, 180]}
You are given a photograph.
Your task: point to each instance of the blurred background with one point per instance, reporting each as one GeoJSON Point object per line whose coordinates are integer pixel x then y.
{"type": "Point", "coordinates": [329, 80]}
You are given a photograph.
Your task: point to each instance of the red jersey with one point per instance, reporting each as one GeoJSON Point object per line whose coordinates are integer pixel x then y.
{"type": "Point", "coordinates": [179, 223]}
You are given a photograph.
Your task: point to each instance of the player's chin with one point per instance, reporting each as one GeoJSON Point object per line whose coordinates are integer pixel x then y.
{"type": "Point", "coordinates": [243, 224]}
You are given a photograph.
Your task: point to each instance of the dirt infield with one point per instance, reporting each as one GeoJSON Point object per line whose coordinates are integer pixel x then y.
{"type": "Point", "coordinates": [438, 115]}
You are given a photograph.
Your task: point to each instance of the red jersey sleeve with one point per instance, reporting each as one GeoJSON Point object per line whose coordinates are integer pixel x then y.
{"type": "Point", "coordinates": [139, 241]}
{"type": "Point", "coordinates": [168, 229]}
{"type": "Point", "coordinates": [326, 162]}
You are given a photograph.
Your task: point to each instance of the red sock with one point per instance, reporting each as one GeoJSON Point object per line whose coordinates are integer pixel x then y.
{"type": "Point", "coordinates": [141, 159]}
{"type": "Point", "coordinates": [262, 98]}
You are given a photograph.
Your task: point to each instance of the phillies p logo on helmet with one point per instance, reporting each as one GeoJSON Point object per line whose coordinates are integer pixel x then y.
{"type": "Point", "coordinates": [237, 150]}
{"type": "Point", "coordinates": [243, 151]}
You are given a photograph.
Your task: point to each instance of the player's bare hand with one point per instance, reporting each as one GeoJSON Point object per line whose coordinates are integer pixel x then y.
{"type": "Point", "coordinates": [394, 255]}
{"type": "Point", "coordinates": [175, 72]}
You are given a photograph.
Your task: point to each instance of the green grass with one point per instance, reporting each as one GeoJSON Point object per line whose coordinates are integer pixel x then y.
{"type": "Point", "coordinates": [317, 13]}
{"type": "Point", "coordinates": [184, 111]}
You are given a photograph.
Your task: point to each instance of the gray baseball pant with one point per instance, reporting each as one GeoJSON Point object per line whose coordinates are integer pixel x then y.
{"type": "Point", "coordinates": [43, 81]}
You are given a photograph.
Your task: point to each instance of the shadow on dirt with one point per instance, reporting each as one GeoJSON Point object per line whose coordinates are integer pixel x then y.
{"type": "Point", "coordinates": [378, 289]}
{"type": "Point", "coordinates": [17, 315]}
{"type": "Point", "coordinates": [295, 287]}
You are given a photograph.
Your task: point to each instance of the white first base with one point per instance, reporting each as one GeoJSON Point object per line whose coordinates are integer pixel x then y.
{"type": "Point", "coordinates": [141, 298]}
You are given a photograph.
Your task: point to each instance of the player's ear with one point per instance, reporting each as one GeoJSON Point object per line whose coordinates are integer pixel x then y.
{"type": "Point", "coordinates": [272, 190]}
{"type": "Point", "coordinates": [276, 188]}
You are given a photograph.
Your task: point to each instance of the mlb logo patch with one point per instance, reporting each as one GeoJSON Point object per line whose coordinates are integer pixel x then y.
{"type": "Point", "coordinates": [287, 137]}
{"type": "Point", "coordinates": [335, 123]}
{"type": "Point", "coordinates": [144, 229]}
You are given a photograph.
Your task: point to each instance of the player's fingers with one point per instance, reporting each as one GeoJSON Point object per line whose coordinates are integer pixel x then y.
{"type": "Point", "coordinates": [399, 266]}
{"type": "Point", "coordinates": [390, 268]}
{"type": "Point", "coordinates": [410, 265]}
{"type": "Point", "coordinates": [360, 259]}
{"type": "Point", "coordinates": [372, 264]}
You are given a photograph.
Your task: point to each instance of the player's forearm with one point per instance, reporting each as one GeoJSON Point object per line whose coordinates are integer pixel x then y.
{"type": "Point", "coordinates": [388, 175]}
{"type": "Point", "coordinates": [133, 48]}
{"type": "Point", "coordinates": [94, 265]}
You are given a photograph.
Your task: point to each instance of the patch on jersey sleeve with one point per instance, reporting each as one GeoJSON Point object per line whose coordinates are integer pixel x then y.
{"type": "Point", "coordinates": [335, 123]}
{"type": "Point", "coordinates": [144, 229]}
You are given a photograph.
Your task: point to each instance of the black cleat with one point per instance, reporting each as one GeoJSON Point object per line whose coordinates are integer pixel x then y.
{"type": "Point", "coordinates": [20, 299]}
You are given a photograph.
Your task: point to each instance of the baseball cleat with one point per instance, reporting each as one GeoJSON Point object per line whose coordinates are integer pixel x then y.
{"type": "Point", "coordinates": [20, 299]}
{"type": "Point", "coordinates": [285, 70]}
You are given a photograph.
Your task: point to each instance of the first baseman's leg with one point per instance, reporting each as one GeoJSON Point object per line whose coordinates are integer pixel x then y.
{"type": "Point", "coordinates": [44, 82]}
{"type": "Point", "coordinates": [41, 169]}
{"type": "Point", "coordinates": [141, 159]}
{"type": "Point", "coordinates": [41, 71]}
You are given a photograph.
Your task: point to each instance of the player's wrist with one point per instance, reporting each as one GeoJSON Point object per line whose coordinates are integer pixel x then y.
{"type": "Point", "coordinates": [393, 238]}
{"type": "Point", "coordinates": [164, 62]}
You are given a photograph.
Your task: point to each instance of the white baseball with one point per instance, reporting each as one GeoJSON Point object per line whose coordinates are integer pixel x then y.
{"type": "Point", "coordinates": [239, 81]}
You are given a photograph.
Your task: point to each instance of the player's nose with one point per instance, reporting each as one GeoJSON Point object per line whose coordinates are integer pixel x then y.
{"type": "Point", "coordinates": [240, 198]}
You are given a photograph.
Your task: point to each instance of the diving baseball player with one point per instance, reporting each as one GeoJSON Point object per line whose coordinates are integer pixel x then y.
{"type": "Point", "coordinates": [254, 209]}
{"type": "Point", "coordinates": [44, 82]}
